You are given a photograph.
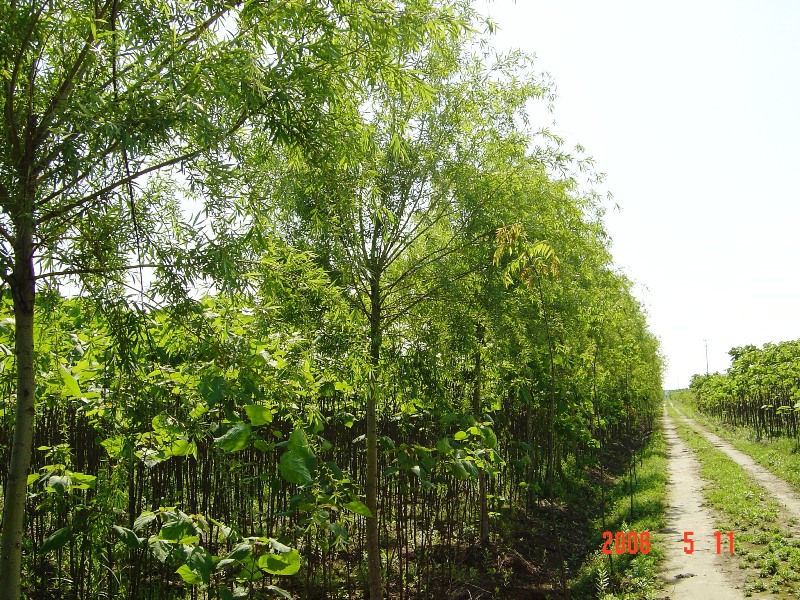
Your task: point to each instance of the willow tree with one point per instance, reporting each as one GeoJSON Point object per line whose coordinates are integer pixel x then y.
{"type": "Point", "coordinates": [102, 99]}
{"type": "Point", "coordinates": [385, 206]}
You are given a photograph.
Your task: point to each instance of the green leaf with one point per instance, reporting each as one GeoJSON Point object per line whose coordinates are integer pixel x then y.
{"type": "Point", "coordinates": [293, 468]}
{"type": "Point", "coordinates": [238, 593]}
{"type": "Point", "coordinates": [250, 571]}
{"type": "Point", "coordinates": [298, 442]}
{"type": "Point", "coordinates": [489, 437]}
{"type": "Point", "coordinates": [56, 540]}
{"type": "Point", "coordinates": [32, 478]}
{"type": "Point", "coordinates": [263, 446]}
{"type": "Point", "coordinates": [127, 536]}
{"type": "Point", "coordinates": [160, 549]}
{"type": "Point", "coordinates": [225, 562]}
{"type": "Point", "coordinates": [200, 562]}
{"type": "Point", "coordinates": [213, 391]}
{"type": "Point", "coordinates": [143, 520]}
{"type": "Point", "coordinates": [258, 415]}
{"type": "Point", "coordinates": [188, 575]}
{"type": "Point", "coordinates": [470, 468]}
{"type": "Point", "coordinates": [114, 446]}
{"type": "Point", "coordinates": [280, 564]}
{"type": "Point", "coordinates": [71, 386]}
{"type": "Point", "coordinates": [236, 438]}
{"type": "Point", "coordinates": [82, 481]}
{"type": "Point", "coordinates": [457, 469]}
{"type": "Point", "coordinates": [182, 447]}
{"type": "Point", "coordinates": [443, 446]}
{"type": "Point", "coordinates": [58, 483]}
{"type": "Point", "coordinates": [166, 425]}
{"type": "Point", "coordinates": [359, 508]}
{"type": "Point", "coordinates": [277, 546]}
{"type": "Point", "coordinates": [240, 551]}
{"type": "Point", "coordinates": [177, 527]}
{"type": "Point", "coordinates": [460, 435]}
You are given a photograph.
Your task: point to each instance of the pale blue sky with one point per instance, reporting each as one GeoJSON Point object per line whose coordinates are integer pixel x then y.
{"type": "Point", "coordinates": [692, 109]}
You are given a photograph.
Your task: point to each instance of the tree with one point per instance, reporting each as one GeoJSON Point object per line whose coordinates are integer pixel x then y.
{"type": "Point", "coordinates": [413, 181]}
{"type": "Point", "coordinates": [100, 99]}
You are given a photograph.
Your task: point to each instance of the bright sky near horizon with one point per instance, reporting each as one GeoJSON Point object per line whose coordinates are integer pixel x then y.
{"type": "Point", "coordinates": [692, 109]}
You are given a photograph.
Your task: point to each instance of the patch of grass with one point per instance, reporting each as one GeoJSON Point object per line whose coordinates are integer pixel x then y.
{"type": "Point", "coordinates": [627, 576]}
{"type": "Point", "coordinates": [769, 554]}
{"type": "Point", "coordinates": [780, 455]}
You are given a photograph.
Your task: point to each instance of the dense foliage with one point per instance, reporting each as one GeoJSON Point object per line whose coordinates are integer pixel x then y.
{"type": "Point", "coordinates": [760, 390]}
{"type": "Point", "coordinates": [398, 323]}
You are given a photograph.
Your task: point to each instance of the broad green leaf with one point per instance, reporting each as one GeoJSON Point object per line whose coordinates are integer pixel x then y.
{"type": "Point", "coordinates": [443, 446]}
{"type": "Point", "coordinates": [219, 565]}
{"type": "Point", "coordinates": [278, 546]}
{"type": "Point", "coordinates": [143, 520]}
{"type": "Point", "coordinates": [114, 446]}
{"type": "Point", "coordinates": [238, 593]}
{"type": "Point", "coordinates": [298, 441]}
{"type": "Point", "coordinates": [293, 468]}
{"type": "Point", "coordinates": [188, 575]}
{"type": "Point", "coordinates": [200, 562]}
{"type": "Point", "coordinates": [457, 469]}
{"type": "Point", "coordinates": [213, 391]}
{"type": "Point", "coordinates": [83, 481]}
{"type": "Point", "coordinates": [280, 564]}
{"type": "Point", "coordinates": [359, 508]}
{"type": "Point", "coordinates": [258, 415]}
{"type": "Point", "coordinates": [489, 437]}
{"type": "Point", "coordinates": [460, 435]}
{"type": "Point", "coordinates": [127, 536]}
{"type": "Point", "coordinates": [470, 468]}
{"type": "Point", "coordinates": [166, 425]}
{"type": "Point", "coordinates": [182, 447]}
{"type": "Point", "coordinates": [58, 483]}
{"type": "Point", "coordinates": [160, 549]}
{"type": "Point", "coordinates": [177, 526]}
{"type": "Point", "coordinates": [71, 386]}
{"type": "Point", "coordinates": [236, 438]}
{"type": "Point", "coordinates": [240, 551]}
{"type": "Point", "coordinates": [56, 540]}
{"type": "Point", "coordinates": [250, 570]}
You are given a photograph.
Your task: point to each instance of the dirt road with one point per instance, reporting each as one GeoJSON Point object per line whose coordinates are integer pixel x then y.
{"type": "Point", "coordinates": [702, 575]}
{"type": "Point", "coordinates": [777, 487]}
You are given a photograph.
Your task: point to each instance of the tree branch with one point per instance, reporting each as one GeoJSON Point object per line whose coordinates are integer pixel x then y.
{"type": "Point", "coordinates": [12, 81]}
{"type": "Point", "coordinates": [61, 210]}
{"type": "Point", "coordinates": [66, 87]}
{"type": "Point", "coordinates": [96, 271]}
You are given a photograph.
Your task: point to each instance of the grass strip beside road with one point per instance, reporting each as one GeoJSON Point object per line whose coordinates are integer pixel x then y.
{"type": "Point", "coordinates": [779, 455]}
{"type": "Point", "coordinates": [632, 577]}
{"type": "Point", "coordinates": [770, 555]}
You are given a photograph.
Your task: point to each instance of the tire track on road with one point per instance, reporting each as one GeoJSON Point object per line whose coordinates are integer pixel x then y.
{"type": "Point", "coordinates": [774, 485]}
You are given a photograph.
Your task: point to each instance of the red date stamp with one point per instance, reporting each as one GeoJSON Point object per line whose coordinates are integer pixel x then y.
{"type": "Point", "coordinates": [688, 542]}
{"type": "Point", "coordinates": [635, 542]}
{"type": "Point", "coordinates": [626, 542]}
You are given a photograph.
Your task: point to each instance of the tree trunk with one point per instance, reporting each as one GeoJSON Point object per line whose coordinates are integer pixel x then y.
{"type": "Point", "coordinates": [478, 412]}
{"type": "Point", "coordinates": [373, 541]}
{"type": "Point", "coordinates": [23, 288]}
